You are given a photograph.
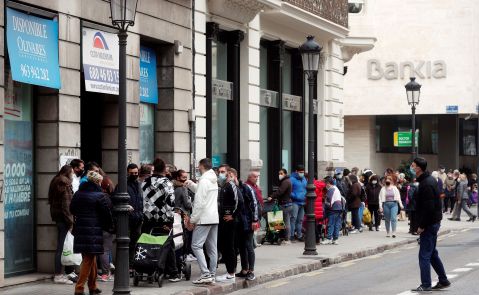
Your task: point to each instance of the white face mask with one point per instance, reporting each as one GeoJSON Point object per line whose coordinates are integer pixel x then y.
{"type": "Point", "coordinates": [442, 170]}
{"type": "Point", "coordinates": [281, 177]}
{"type": "Point", "coordinates": [374, 182]}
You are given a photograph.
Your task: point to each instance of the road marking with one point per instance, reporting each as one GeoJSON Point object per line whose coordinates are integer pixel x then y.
{"type": "Point", "coordinates": [393, 252]}
{"type": "Point", "coordinates": [473, 264]}
{"type": "Point", "coordinates": [452, 276]}
{"type": "Point", "coordinates": [453, 235]}
{"type": "Point", "coordinates": [275, 285]}
{"type": "Point", "coordinates": [406, 293]}
{"type": "Point", "coordinates": [465, 230]}
{"type": "Point", "coordinates": [346, 264]}
{"type": "Point", "coordinates": [464, 269]}
{"type": "Point", "coordinates": [410, 247]}
{"type": "Point", "coordinates": [314, 273]}
{"type": "Point", "coordinates": [374, 256]}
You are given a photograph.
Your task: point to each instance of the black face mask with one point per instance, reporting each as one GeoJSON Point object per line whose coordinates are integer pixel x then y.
{"type": "Point", "coordinates": [388, 183]}
{"type": "Point", "coordinates": [79, 173]}
{"type": "Point", "coordinates": [132, 177]}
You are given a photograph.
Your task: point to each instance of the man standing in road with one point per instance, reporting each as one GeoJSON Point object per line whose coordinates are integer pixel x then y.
{"type": "Point", "coordinates": [429, 214]}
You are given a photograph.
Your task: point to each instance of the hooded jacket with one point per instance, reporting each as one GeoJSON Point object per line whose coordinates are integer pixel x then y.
{"type": "Point", "coordinates": [354, 196]}
{"type": "Point", "coordinates": [318, 203]}
{"type": "Point", "coordinates": [59, 197]}
{"type": "Point", "coordinates": [372, 192]}
{"type": "Point", "coordinates": [205, 206]}
{"type": "Point", "coordinates": [298, 189]}
{"type": "Point", "coordinates": [283, 194]}
{"type": "Point", "coordinates": [428, 203]}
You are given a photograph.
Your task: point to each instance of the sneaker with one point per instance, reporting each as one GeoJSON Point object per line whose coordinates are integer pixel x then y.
{"type": "Point", "coordinates": [72, 277]}
{"type": "Point", "coordinates": [204, 279]}
{"type": "Point", "coordinates": [61, 279]}
{"type": "Point", "coordinates": [326, 242]}
{"type": "Point", "coordinates": [287, 242]}
{"type": "Point", "coordinates": [250, 276]}
{"type": "Point", "coordinates": [300, 239]}
{"type": "Point", "coordinates": [174, 279]}
{"type": "Point", "coordinates": [190, 258]}
{"type": "Point", "coordinates": [106, 278]}
{"type": "Point", "coordinates": [442, 285]}
{"type": "Point", "coordinates": [241, 274]}
{"type": "Point", "coordinates": [227, 278]}
{"type": "Point", "coordinates": [112, 266]}
{"type": "Point", "coordinates": [422, 289]}
{"type": "Point", "coordinates": [377, 228]}
{"type": "Point", "coordinates": [354, 231]}
{"type": "Point", "coordinates": [335, 242]}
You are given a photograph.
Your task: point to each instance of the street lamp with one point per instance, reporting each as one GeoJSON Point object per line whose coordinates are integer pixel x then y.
{"type": "Point", "coordinates": [310, 54]}
{"type": "Point", "coordinates": [413, 91]}
{"type": "Point", "coordinates": [122, 15]}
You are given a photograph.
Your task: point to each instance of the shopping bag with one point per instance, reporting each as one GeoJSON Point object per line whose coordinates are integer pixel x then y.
{"type": "Point", "coordinates": [275, 220]}
{"type": "Point", "coordinates": [68, 257]}
{"type": "Point", "coordinates": [366, 216]}
{"type": "Point", "coordinates": [147, 252]}
{"type": "Point", "coordinates": [177, 231]}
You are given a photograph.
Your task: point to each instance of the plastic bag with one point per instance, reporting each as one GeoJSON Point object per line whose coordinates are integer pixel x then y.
{"type": "Point", "coordinates": [366, 216]}
{"type": "Point", "coordinates": [68, 257]}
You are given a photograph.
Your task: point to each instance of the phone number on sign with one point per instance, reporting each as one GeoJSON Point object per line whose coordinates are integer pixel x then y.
{"type": "Point", "coordinates": [103, 74]}
{"type": "Point", "coordinates": [33, 72]}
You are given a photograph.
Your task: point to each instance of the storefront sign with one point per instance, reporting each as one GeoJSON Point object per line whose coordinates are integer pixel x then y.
{"type": "Point", "coordinates": [222, 89]}
{"type": "Point", "coordinates": [268, 98]}
{"type": "Point", "coordinates": [291, 102]}
{"type": "Point", "coordinates": [32, 44]}
{"type": "Point", "coordinates": [421, 69]}
{"type": "Point", "coordinates": [452, 109]}
{"type": "Point", "coordinates": [404, 139]}
{"type": "Point", "coordinates": [148, 81]}
{"type": "Point", "coordinates": [100, 61]}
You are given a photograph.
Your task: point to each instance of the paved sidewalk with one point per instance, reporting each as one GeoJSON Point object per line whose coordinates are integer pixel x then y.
{"type": "Point", "coordinates": [272, 262]}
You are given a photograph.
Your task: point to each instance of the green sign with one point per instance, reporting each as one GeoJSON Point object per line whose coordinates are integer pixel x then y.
{"type": "Point", "coordinates": [404, 139]}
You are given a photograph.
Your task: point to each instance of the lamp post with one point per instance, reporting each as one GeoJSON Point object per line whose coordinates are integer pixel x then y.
{"type": "Point", "coordinates": [413, 91]}
{"type": "Point", "coordinates": [310, 54]}
{"type": "Point", "coordinates": [122, 15]}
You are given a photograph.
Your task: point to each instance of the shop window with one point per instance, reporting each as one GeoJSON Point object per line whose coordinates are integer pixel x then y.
{"type": "Point", "coordinates": [468, 137]}
{"type": "Point", "coordinates": [147, 133]}
{"type": "Point", "coordinates": [264, 147]}
{"type": "Point", "coordinates": [287, 140]}
{"type": "Point", "coordinates": [355, 6]}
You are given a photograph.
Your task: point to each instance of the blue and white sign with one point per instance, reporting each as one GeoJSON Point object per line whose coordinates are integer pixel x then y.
{"type": "Point", "coordinates": [452, 109]}
{"type": "Point", "coordinates": [148, 81]}
{"type": "Point", "coordinates": [100, 53]}
{"type": "Point", "coordinates": [32, 44]}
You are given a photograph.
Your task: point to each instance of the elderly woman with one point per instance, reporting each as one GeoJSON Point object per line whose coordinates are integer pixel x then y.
{"type": "Point", "coordinates": [389, 203]}
{"type": "Point", "coordinates": [462, 197]}
{"type": "Point", "coordinates": [92, 215]}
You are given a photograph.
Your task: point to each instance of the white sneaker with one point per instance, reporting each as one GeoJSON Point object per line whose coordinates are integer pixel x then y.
{"type": "Point", "coordinates": [190, 258]}
{"type": "Point", "coordinates": [355, 231]}
{"type": "Point", "coordinates": [61, 279]}
{"type": "Point", "coordinates": [326, 242]}
{"type": "Point", "coordinates": [287, 242]}
{"type": "Point", "coordinates": [335, 242]}
{"type": "Point", "coordinates": [227, 278]}
{"type": "Point", "coordinates": [204, 279]}
{"type": "Point", "coordinates": [112, 266]}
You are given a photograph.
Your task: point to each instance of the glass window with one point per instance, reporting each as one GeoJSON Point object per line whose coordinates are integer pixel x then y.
{"type": "Point", "coordinates": [18, 176]}
{"type": "Point", "coordinates": [355, 6]}
{"type": "Point", "coordinates": [147, 133]}
{"type": "Point", "coordinates": [287, 141]}
{"type": "Point", "coordinates": [287, 68]}
{"type": "Point", "coordinates": [263, 69]}
{"type": "Point", "coordinates": [468, 133]}
{"type": "Point", "coordinates": [263, 148]}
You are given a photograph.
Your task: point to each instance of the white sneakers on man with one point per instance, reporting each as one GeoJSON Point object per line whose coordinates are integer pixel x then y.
{"type": "Point", "coordinates": [61, 279]}
{"type": "Point", "coordinates": [227, 278]}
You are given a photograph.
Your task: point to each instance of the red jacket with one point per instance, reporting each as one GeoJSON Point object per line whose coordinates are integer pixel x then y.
{"type": "Point", "coordinates": [318, 205]}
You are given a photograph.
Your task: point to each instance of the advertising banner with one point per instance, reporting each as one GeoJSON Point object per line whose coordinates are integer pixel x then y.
{"type": "Point", "coordinates": [148, 81]}
{"type": "Point", "coordinates": [404, 139]}
{"type": "Point", "coordinates": [32, 44]}
{"type": "Point", "coordinates": [100, 53]}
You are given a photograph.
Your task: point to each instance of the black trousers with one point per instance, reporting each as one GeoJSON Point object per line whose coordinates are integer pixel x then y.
{"type": "Point", "coordinates": [246, 248]}
{"type": "Point", "coordinates": [375, 216]}
{"type": "Point", "coordinates": [413, 222]}
{"type": "Point", "coordinates": [135, 233]}
{"type": "Point", "coordinates": [227, 231]}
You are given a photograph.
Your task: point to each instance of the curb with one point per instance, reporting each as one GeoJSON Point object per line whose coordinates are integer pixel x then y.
{"type": "Point", "coordinates": [296, 269]}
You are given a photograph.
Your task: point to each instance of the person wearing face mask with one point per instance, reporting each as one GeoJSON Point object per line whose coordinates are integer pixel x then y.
{"type": "Point", "coordinates": [442, 175]}
{"type": "Point", "coordinates": [136, 202]}
{"type": "Point", "coordinates": [334, 207]}
{"type": "Point", "coordinates": [298, 196]}
{"type": "Point", "coordinates": [389, 200]}
{"type": "Point", "coordinates": [450, 189]}
{"type": "Point", "coordinates": [283, 196]}
{"type": "Point", "coordinates": [372, 191]}
{"type": "Point", "coordinates": [183, 195]}
{"type": "Point", "coordinates": [78, 170]}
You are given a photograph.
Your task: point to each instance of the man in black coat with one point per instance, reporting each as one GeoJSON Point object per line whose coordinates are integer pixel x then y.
{"type": "Point", "coordinates": [429, 215]}
{"type": "Point", "coordinates": [136, 202]}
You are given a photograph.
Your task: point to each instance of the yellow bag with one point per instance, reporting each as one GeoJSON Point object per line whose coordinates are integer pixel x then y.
{"type": "Point", "coordinates": [366, 216]}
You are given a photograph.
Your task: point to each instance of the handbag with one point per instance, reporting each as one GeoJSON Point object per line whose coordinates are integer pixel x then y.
{"type": "Point", "coordinates": [275, 219]}
{"type": "Point", "coordinates": [68, 257]}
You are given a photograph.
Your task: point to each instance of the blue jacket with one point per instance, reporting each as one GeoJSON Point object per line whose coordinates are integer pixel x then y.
{"type": "Point", "coordinates": [298, 192]}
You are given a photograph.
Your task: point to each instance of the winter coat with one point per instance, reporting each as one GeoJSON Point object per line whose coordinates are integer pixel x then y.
{"type": "Point", "coordinates": [344, 186]}
{"type": "Point", "coordinates": [354, 196]}
{"type": "Point", "coordinates": [462, 190]}
{"type": "Point", "coordinates": [372, 193]}
{"type": "Point", "coordinates": [411, 194]}
{"type": "Point", "coordinates": [334, 201]}
{"type": "Point", "coordinates": [249, 209]}
{"type": "Point", "coordinates": [230, 201]}
{"type": "Point", "coordinates": [318, 203]}
{"type": "Point", "coordinates": [428, 203]}
{"type": "Point", "coordinates": [205, 205]}
{"type": "Point", "coordinates": [259, 196]}
{"type": "Point", "coordinates": [136, 201]}
{"type": "Point", "coordinates": [182, 197]}
{"type": "Point", "coordinates": [60, 196]}
{"type": "Point", "coordinates": [283, 194]}
{"type": "Point", "coordinates": [158, 199]}
{"type": "Point", "coordinates": [397, 196]}
{"type": "Point", "coordinates": [298, 189]}
{"type": "Point", "coordinates": [92, 216]}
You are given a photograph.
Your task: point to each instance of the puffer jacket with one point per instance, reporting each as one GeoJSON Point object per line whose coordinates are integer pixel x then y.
{"type": "Point", "coordinates": [92, 215]}
{"type": "Point", "coordinates": [59, 197]}
{"type": "Point", "coordinates": [298, 189]}
{"type": "Point", "coordinates": [372, 192]}
{"type": "Point", "coordinates": [205, 205]}
{"type": "Point", "coordinates": [318, 203]}
{"type": "Point", "coordinates": [354, 195]}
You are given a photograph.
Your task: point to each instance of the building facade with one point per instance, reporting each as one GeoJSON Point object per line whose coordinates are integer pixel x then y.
{"type": "Point", "coordinates": [438, 53]}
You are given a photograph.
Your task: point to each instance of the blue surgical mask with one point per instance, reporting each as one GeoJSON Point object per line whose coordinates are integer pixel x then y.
{"type": "Point", "coordinates": [412, 171]}
{"type": "Point", "coordinates": [301, 175]}
{"type": "Point", "coordinates": [222, 178]}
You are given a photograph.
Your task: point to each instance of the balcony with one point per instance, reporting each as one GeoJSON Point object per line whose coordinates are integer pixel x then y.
{"type": "Point", "coordinates": [335, 11]}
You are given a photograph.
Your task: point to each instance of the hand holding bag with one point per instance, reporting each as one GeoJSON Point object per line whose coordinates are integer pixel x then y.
{"type": "Point", "coordinates": [68, 257]}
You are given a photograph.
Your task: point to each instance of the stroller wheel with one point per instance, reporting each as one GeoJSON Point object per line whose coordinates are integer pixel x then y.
{"type": "Point", "coordinates": [263, 240]}
{"type": "Point", "coordinates": [160, 280]}
{"type": "Point", "coordinates": [136, 279]}
{"type": "Point", "coordinates": [187, 271]}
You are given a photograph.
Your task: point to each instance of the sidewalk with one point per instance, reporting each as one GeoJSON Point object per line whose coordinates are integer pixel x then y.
{"type": "Point", "coordinates": [272, 262]}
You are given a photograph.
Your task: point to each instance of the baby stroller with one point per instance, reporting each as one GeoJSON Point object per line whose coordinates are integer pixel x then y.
{"type": "Point", "coordinates": [275, 228]}
{"type": "Point", "coordinates": [153, 251]}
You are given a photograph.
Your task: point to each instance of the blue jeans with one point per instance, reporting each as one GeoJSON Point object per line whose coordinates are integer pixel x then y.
{"type": "Point", "coordinates": [297, 215]}
{"type": "Point", "coordinates": [361, 211]}
{"type": "Point", "coordinates": [334, 224]}
{"type": "Point", "coordinates": [428, 256]}
{"type": "Point", "coordinates": [355, 218]}
{"type": "Point", "coordinates": [390, 215]}
{"type": "Point", "coordinates": [287, 218]}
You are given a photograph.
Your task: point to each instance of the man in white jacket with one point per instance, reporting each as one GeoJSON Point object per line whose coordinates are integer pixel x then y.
{"type": "Point", "coordinates": [204, 221]}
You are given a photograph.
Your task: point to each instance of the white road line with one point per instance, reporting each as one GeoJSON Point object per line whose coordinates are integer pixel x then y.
{"type": "Point", "coordinates": [465, 230]}
{"type": "Point", "coordinates": [473, 264]}
{"type": "Point", "coordinates": [452, 235]}
{"type": "Point", "coordinates": [406, 293]}
{"type": "Point", "coordinates": [346, 264]}
{"type": "Point", "coordinates": [314, 273]}
{"type": "Point", "coordinates": [393, 252]}
{"type": "Point", "coordinates": [464, 269]}
{"type": "Point", "coordinates": [452, 276]}
{"type": "Point", "coordinates": [279, 284]}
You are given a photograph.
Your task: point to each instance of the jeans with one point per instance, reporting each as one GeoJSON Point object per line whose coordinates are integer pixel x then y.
{"type": "Point", "coordinates": [390, 215]}
{"type": "Point", "coordinates": [105, 257]}
{"type": "Point", "coordinates": [246, 249]}
{"type": "Point", "coordinates": [88, 272]}
{"type": "Point", "coordinates": [227, 231]}
{"type": "Point", "coordinates": [297, 216]}
{"type": "Point", "coordinates": [375, 217]}
{"type": "Point", "coordinates": [465, 208]}
{"type": "Point", "coordinates": [206, 235]}
{"type": "Point", "coordinates": [428, 256]}
{"type": "Point", "coordinates": [356, 220]}
{"type": "Point", "coordinates": [62, 230]}
{"type": "Point", "coordinates": [287, 219]}
{"type": "Point", "coordinates": [360, 213]}
{"type": "Point", "coordinates": [334, 224]}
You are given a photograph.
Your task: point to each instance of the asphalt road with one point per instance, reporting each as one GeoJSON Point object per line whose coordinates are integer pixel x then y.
{"type": "Point", "coordinates": [392, 272]}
